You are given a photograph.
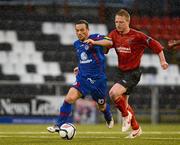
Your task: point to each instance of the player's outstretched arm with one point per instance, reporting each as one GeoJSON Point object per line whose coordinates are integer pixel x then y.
{"type": "Point", "coordinates": [104, 42]}
{"type": "Point", "coordinates": [173, 43]}
{"type": "Point", "coordinates": [162, 59]}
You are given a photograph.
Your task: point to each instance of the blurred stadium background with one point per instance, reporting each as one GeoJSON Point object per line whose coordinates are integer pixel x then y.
{"type": "Point", "coordinates": [37, 58]}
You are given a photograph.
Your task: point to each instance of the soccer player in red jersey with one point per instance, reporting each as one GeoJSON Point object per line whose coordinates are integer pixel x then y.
{"type": "Point", "coordinates": [129, 45]}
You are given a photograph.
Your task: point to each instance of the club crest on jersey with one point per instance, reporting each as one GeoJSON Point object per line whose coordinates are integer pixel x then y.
{"type": "Point", "coordinates": [86, 47]}
{"type": "Point", "coordinates": [84, 56]}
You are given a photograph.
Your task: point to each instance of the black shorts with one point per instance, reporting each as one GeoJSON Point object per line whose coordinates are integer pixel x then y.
{"type": "Point", "coordinates": [129, 79]}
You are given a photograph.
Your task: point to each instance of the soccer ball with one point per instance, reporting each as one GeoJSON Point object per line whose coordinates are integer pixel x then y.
{"type": "Point", "coordinates": [67, 131]}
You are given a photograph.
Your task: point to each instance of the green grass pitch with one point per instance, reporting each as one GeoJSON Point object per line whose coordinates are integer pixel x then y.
{"type": "Point", "coordinates": [163, 134]}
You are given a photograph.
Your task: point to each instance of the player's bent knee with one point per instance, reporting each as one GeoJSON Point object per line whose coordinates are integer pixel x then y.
{"type": "Point", "coordinates": [114, 94]}
{"type": "Point", "coordinates": [72, 95]}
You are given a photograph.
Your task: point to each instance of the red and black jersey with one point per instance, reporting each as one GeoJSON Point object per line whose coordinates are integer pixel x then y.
{"type": "Point", "coordinates": [130, 47]}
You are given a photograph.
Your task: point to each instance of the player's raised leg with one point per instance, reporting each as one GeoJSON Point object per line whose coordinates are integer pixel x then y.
{"type": "Point", "coordinates": [120, 102]}
{"type": "Point", "coordinates": [65, 109]}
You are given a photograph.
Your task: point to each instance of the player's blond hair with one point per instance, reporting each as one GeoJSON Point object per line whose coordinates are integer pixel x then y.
{"type": "Point", "coordinates": [123, 12]}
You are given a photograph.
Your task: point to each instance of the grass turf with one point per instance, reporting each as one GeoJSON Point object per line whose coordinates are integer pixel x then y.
{"type": "Point", "coordinates": [163, 134]}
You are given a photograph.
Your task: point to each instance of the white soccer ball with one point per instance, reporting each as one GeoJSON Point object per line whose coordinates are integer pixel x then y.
{"type": "Point", "coordinates": [67, 131]}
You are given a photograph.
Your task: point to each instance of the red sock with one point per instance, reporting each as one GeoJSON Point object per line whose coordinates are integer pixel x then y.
{"type": "Point", "coordinates": [121, 104]}
{"type": "Point", "coordinates": [134, 123]}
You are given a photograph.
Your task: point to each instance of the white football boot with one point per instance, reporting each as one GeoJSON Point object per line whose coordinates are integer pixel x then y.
{"type": "Point", "coordinates": [110, 124]}
{"type": "Point", "coordinates": [53, 129]}
{"type": "Point", "coordinates": [135, 133]}
{"type": "Point", "coordinates": [126, 122]}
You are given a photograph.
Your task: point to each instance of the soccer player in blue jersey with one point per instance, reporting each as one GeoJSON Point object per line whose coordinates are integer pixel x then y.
{"type": "Point", "coordinates": [90, 78]}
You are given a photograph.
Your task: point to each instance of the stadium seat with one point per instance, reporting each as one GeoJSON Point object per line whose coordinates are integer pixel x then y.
{"type": "Point", "coordinates": [146, 60]}
{"type": "Point", "coordinates": [70, 78]}
{"type": "Point", "coordinates": [3, 57]}
{"type": "Point", "coordinates": [10, 36]}
{"type": "Point", "coordinates": [98, 28]}
{"type": "Point", "coordinates": [48, 28]}
{"type": "Point", "coordinates": [9, 69]}
{"type": "Point", "coordinates": [148, 79]}
{"type": "Point", "coordinates": [112, 59]}
{"type": "Point", "coordinates": [20, 69]}
{"type": "Point", "coordinates": [13, 58]}
{"type": "Point", "coordinates": [155, 22]}
{"type": "Point", "coordinates": [2, 36]}
{"type": "Point", "coordinates": [135, 22]}
{"type": "Point", "coordinates": [145, 22]}
{"type": "Point", "coordinates": [54, 69]}
{"type": "Point", "coordinates": [32, 79]}
{"type": "Point", "coordinates": [5, 47]}
{"type": "Point", "coordinates": [29, 47]}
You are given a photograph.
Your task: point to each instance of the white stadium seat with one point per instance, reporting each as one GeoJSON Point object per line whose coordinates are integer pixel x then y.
{"type": "Point", "coordinates": [18, 47]}
{"type": "Point", "coordinates": [9, 68]}
{"type": "Point", "coordinates": [10, 36]}
{"type": "Point", "coordinates": [2, 36]}
{"type": "Point", "coordinates": [112, 58]}
{"type": "Point", "coordinates": [48, 28]}
{"type": "Point", "coordinates": [31, 78]}
{"type": "Point", "coordinates": [42, 68]}
{"type": "Point", "coordinates": [13, 57]}
{"type": "Point", "coordinates": [70, 78]}
{"type": "Point", "coordinates": [20, 69]}
{"type": "Point", "coordinates": [3, 57]}
{"type": "Point", "coordinates": [54, 69]}
{"type": "Point", "coordinates": [146, 60]}
{"type": "Point", "coordinates": [29, 47]}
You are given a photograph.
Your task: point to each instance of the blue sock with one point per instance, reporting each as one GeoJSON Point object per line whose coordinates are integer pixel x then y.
{"type": "Point", "coordinates": [65, 111]}
{"type": "Point", "coordinates": [107, 113]}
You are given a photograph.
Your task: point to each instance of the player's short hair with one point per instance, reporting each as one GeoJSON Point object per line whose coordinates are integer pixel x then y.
{"type": "Point", "coordinates": [83, 22]}
{"type": "Point", "coordinates": [123, 12]}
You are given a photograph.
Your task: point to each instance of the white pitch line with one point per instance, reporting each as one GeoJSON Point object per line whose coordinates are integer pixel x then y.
{"type": "Point", "coordinates": [96, 132]}
{"type": "Point", "coordinates": [87, 137]}
{"type": "Point", "coordinates": [160, 138]}
{"type": "Point", "coordinates": [20, 132]}
{"type": "Point", "coordinates": [144, 132]}
{"type": "Point", "coordinates": [25, 136]}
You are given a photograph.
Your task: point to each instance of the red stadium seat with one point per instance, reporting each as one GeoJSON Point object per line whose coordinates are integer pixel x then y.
{"type": "Point", "coordinates": [156, 22]}
{"type": "Point", "coordinates": [154, 32]}
{"type": "Point", "coordinates": [135, 22]}
{"type": "Point", "coordinates": [145, 22]}
{"type": "Point", "coordinates": [166, 21]}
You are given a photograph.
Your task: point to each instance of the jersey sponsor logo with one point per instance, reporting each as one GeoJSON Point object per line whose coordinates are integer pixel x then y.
{"type": "Point", "coordinates": [86, 61]}
{"type": "Point", "coordinates": [124, 49]}
{"type": "Point", "coordinates": [84, 58]}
